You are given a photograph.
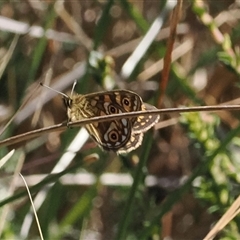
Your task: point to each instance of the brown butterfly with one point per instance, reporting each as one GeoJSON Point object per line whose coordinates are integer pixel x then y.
{"type": "Point", "coordinates": [120, 135]}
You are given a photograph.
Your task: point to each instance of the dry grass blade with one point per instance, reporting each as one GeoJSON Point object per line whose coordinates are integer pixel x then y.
{"type": "Point", "coordinates": [19, 27]}
{"type": "Point", "coordinates": [62, 164]}
{"type": "Point", "coordinates": [37, 113]}
{"type": "Point", "coordinates": [6, 158]}
{"type": "Point", "coordinates": [6, 208]}
{"type": "Point", "coordinates": [36, 217]}
{"type": "Point", "coordinates": [62, 126]}
{"type": "Point", "coordinates": [17, 112]}
{"type": "Point", "coordinates": [73, 25]}
{"type": "Point", "coordinates": [32, 134]}
{"type": "Point", "coordinates": [143, 46]}
{"type": "Point", "coordinates": [156, 67]}
{"type": "Point", "coordinates": [225, 219]}
{"type": "Point", "coordinates": [8, 55]}
{"type": "Point", "coordinates": [168, 56]}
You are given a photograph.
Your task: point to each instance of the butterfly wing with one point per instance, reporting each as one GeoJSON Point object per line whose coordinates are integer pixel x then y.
{"type": "Point", "coordinates": [145, 122]}
{"type": "Point", "coordinates": [141, 125]}
{"type": "Point", "coordinates": [134, 142]}
{"type": "Point", "coordinates": [114, 134]}
{"type": "Point", "coordinates": [121, 135]}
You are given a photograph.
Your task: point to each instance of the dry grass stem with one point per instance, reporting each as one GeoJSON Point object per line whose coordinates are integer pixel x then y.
{"type": "Point", "coordinates": [62, 126]}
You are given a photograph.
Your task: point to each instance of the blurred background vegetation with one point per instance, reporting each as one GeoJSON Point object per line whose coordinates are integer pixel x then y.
{"type": "Point", "coordinates": [184, 176]}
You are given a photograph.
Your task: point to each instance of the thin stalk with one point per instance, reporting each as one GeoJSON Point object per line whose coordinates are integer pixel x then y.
{"type": "Point", "coordinates": [63, 126]}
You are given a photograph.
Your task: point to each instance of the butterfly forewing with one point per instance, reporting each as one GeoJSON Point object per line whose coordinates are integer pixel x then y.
{"type": "Point", "coordinates": [125, 101]}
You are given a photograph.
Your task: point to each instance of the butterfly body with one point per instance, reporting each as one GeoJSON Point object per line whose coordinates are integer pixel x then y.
{"type": "Point", "coordinates": [120, 135]}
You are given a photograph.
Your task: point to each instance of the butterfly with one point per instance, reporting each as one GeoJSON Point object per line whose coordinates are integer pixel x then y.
{"type": "Point", "coordinates": [118, 135]}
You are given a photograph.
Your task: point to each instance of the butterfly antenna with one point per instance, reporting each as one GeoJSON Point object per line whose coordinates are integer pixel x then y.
{"type": "Point", "coordinates": [74, 84]}
{"type": "Point", "coordinates": [63, 94]}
